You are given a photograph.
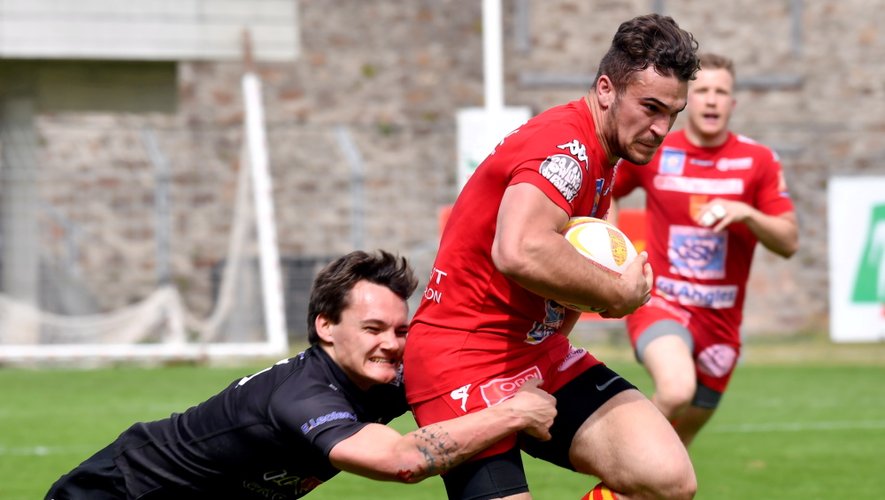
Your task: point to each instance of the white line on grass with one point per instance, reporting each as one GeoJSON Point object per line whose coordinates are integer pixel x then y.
{"type": "Point", "coordinates": [799, 426]}
{"type": "Point", "coordinates": [42, 450]}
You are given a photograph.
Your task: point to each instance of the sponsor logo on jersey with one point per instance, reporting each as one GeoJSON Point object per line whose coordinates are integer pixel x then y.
{"type": "Point", "coordinates": [432, 291]}
{"type": "Point", "coordinates": [574, 354]}
{"type": "Point", "coordinates": [564, 173]}
{"type": "Point", "coordinates": [672, 161]}
{"type": "Point", "coordinates": [499, 389]}
{"type": "Point", "coordinates": [325, 419]}
{"type": "Point", "coordinates": [692, 294]}
{"type": "Point", "coordinates": [700, 163]}
{"type": "Point", "coordinates": [697, 252]}
{"type": "Point", "coordinates": [696, 185]}
{"type": "Point", "coordinates": [554, 314]}
{"type": "Point", "coordinates": [597, 197]}
{"type": "Point", "coordinates": [290, 483]}
{"type": "Point", "coordinates": [717, 360]}
{"type": "Point", "coordinates": [578, 150]}
{"type": "Point", "coordinates": [726, 164]}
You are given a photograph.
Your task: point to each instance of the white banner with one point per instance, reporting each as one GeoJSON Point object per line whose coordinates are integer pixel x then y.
{"type": "Point", "coordinates": [857, 258]}
{"type": "Point", "coordinates": [479, 131]}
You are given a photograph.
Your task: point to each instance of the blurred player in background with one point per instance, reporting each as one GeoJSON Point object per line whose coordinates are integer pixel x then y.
{"type": "Point", "coordinates": [285, 430]}
{"type": "Point", "coordinates": [710, 196]}
{"type": "Point", "coordinates": [492, 318]}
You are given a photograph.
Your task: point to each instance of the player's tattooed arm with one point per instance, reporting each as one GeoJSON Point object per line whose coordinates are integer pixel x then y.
{"type": "Point", "coordinates": [379, 452]}
{"type": "Point", "coordinates": [438, 448]}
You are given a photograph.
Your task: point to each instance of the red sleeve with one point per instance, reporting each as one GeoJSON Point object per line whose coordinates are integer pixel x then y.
{"type": "Point", "coordinates": [531, 176]}
{"type": "Point", "coordinates": [772, 196]}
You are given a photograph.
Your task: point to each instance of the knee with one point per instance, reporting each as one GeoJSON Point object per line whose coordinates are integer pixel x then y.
{"type": "Point", "coordinates": [677, 482]}
{"type": "Point", "coordinates": [685, 488]}
{"type": "Point", "coordinates": [673, 396]}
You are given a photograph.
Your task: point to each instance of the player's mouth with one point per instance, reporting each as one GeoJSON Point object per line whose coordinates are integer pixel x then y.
{"type": "Point", "coordinates": [384, 361]}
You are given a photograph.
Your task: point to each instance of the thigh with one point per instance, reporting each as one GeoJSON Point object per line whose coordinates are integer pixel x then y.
{"type": "Point", "coordinates": [630, 446]}
{"type": "Point", "coordinates": [576, 402]}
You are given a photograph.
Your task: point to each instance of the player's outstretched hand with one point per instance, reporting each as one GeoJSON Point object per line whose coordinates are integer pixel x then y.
{"type": "Point", "coordinates": [536, 406]}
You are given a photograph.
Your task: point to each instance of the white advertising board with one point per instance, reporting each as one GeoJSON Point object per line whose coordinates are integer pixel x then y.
{"type": "Point", "coordinates": [479, 130]}
{"type": "Point", "coordinates": [856, 217]}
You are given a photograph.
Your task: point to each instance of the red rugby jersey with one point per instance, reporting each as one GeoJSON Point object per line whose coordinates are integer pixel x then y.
{"type": "Point", "coordinates": [702, 271]}
{"type": "Point", "coordinates": [558, 152]}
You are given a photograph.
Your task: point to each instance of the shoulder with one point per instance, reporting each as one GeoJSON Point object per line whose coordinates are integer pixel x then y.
{"type": "Point", "coordinates": [756, 148]}
{"type": "Point", "coordinates": [565, 120]}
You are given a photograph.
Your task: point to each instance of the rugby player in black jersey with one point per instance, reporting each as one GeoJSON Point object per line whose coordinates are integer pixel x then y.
{"type": "Point", "coordinates": [281, 432]}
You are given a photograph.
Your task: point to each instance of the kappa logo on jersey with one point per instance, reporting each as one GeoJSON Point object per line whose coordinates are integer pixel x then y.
{"type": "Point", "coordinates": [672, 162]}
{"type": "Point", "coordinates": [500, 389]}
{"type": "Point", "coordinates": [697, 252]}
{"type": "Point", "coordinates": [577, 150]}
{"type": "Point", "coordinates": [564, 173]}
{"type": "Point", "coordinates": [461, 393]}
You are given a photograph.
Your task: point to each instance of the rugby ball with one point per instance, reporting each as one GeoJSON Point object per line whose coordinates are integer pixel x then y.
{"type": "Point", "coordinates": [601, 243]}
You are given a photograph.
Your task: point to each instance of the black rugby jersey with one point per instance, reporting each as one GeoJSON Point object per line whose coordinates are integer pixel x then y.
{"type": "Point", "coordinates": [264, 436]}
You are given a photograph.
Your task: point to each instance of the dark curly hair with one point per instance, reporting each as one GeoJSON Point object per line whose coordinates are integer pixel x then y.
{"type": "Point", "coordinates": [650, 40]}
{"type": "Point", "coordinates": [331, 288]}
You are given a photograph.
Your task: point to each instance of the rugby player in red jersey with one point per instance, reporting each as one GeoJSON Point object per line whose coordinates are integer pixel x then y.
{"type": "Point", "coordinates": [711, 195]}
{"type": "Point", "coordinates": [492, 317]}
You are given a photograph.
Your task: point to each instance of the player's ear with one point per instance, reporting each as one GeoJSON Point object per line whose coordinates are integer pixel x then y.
{"type": "Point", "coordinates": [324, 328]}
{"type": "Point", "coordinates": [605, 92]}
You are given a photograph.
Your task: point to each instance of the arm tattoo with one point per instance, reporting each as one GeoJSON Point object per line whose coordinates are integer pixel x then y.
{"type": "Point", "coordinates": [438, 448]}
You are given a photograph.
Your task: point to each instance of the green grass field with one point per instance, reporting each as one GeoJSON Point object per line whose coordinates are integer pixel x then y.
{"type": "Point", "coordinates": [802, 420]}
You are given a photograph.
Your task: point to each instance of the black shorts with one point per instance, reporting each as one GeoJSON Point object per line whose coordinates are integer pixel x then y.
{"type": "Point", "coordinates": [97, 478]}
{"type": "Point", "coordinates": [502, 475]}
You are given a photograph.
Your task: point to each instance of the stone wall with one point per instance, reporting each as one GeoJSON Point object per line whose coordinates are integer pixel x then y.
{"type": "Point", "coordinates": [390, 74]}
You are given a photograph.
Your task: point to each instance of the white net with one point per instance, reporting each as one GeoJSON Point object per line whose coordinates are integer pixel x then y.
{"type": "Point", "coordinates": [140, 241]}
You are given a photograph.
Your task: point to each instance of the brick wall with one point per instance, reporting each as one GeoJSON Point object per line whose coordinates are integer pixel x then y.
{"type": "Point", "coordinates": [390, 74]}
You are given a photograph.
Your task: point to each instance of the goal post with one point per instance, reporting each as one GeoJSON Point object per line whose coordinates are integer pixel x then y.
{"type": "Point", "coordinates": [271, 282]}
{"type": "Point", "coordinates": [108, 231]}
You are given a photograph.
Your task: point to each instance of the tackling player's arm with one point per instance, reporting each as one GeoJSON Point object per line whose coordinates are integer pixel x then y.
{"type": "Point", "coordinates": [529, 249]}
{"type": "Point", "coordinates": [379, 452]}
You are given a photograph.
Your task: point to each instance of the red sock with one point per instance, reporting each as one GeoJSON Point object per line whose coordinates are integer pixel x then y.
{"type": "Point", "coordinates": [600, 492]}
